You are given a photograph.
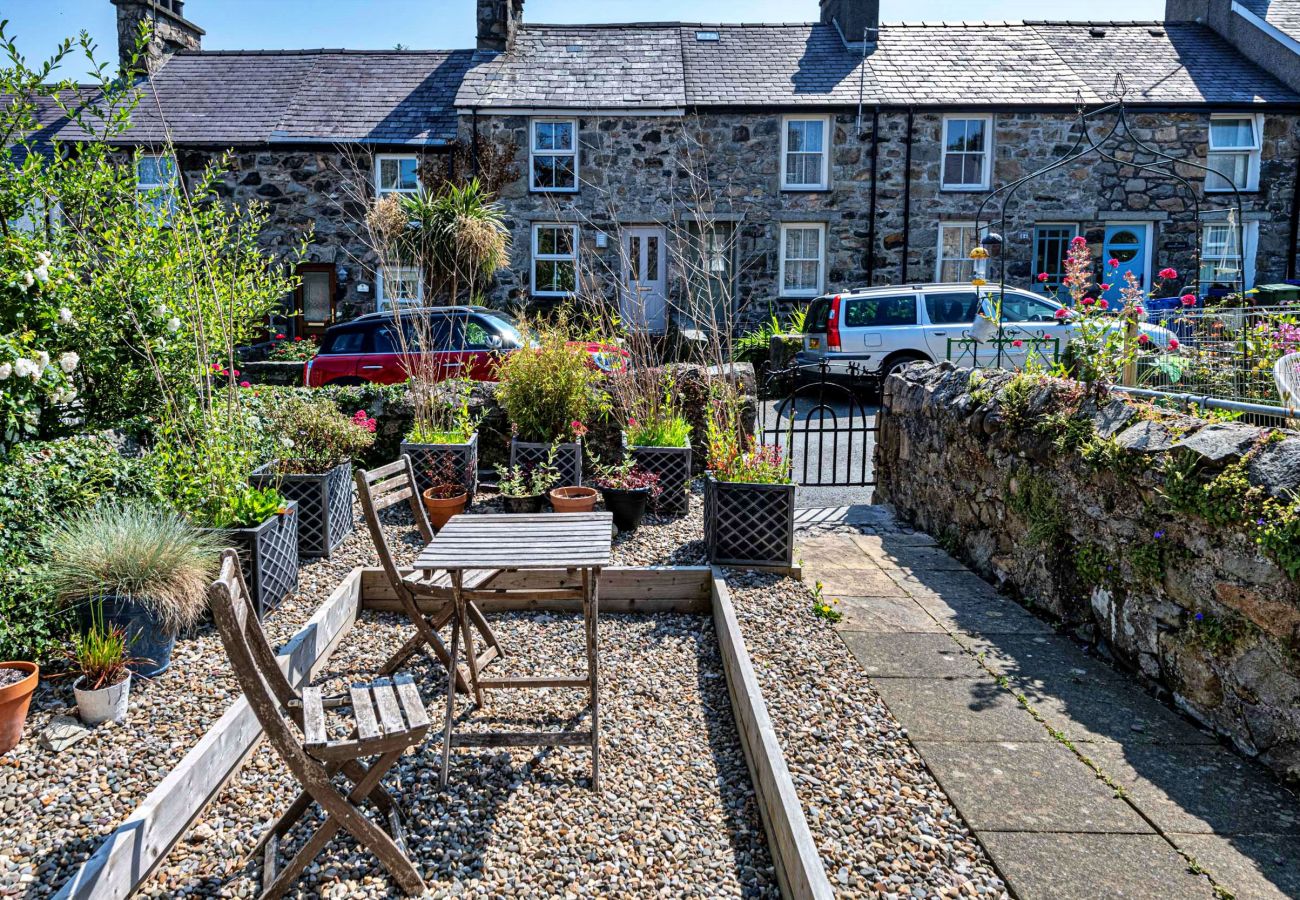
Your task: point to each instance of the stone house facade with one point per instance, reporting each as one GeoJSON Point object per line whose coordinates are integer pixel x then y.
{"type": "Point", "coordinates": [730, 169]}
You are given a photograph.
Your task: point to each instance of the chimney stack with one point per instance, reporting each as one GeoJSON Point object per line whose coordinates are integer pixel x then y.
{"type": "Point", "coordinates": [857, 20]}
{"type": "Point", "coordinates": [498, 21]}
{"type": "Point", "coordinates": [171, 31]}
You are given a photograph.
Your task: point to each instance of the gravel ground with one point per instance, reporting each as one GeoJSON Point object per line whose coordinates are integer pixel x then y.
{"type": "Point", "coordinates": [883, 826]}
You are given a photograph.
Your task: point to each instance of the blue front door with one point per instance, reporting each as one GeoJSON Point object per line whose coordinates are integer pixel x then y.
{"type": "Point", "coordinates": [1128, 245]}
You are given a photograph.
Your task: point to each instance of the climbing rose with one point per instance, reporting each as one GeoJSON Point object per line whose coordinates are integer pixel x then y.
{"type": "Point", "coordinates": [1143, 339]}
{"type": "Point", "coordinates": [1173, 343]}
{"type": "Point", "coordinates": [1168, 273]}
{"type": "Point", "coordinates": [1017, 343]}
{"type": "Point", "coordinates": [1105, 287]}
{"type": "Point", "coordinates": [1042, 276]}
{"type": "Point", "coordinates": [279, 337]}
{"type": "Point", "coordinates": [1062, 313]}
{"type": "Point", "coordinates": [1113, 263]}
{"type": "Point", "coordinates": [244, 384]}
{"type": "Point", "coordinates": [1103, 304]}
{"type": "Point", "coordinates": [1079, 241]}
{"type": "Point", "coordinates": [1189, 299]}
{"type": "Point", "coordinates": [1088, 301]}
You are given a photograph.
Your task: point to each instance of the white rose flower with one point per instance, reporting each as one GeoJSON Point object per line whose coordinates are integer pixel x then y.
{"type": "Point", "coordinates": [5, 371]}
{"type": "Point", "coordinates": [28, 280]}
{"type": "Point", "coordinates": [68, 362]}
{"type": "Point", "coordinates": [24, 367]}
{"type": "Point", "coordinates": [65, 315]}
{"type": "Point", "coordinates": [173, 324]}
{"type": "Point", "coordinates": [44, 257]}
{"type": "Point", "coordinates": [41, 274]}
{"type": "Point", "coordinates": [42, 360]}
{"type": "Point", "coordinates": [160, 310]}
{"type": "Point", "coordinates": [64, 396]}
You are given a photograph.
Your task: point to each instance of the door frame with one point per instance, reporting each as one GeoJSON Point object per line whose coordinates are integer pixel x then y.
{"type": "Point", "coordinates": [628, 233]}
{"type": "Point", "coordinates": [1148, 238]}
{"type": "Point", "coordinates": [301, 328]}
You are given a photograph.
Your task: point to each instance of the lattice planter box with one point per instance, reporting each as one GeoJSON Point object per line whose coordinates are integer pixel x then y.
{"type": "Point", "coordinates": [268, 556]}
{"type": "Point", "coordinates": [426, 457]}
{"type": "Point", "coordinates": [748, 524]}
{"type": "Point", "coordinates": [568, 459]}
{"type": "Point", "coordinates": [324, 505]}
{"type": "Point", "coordinates": [673, 466]}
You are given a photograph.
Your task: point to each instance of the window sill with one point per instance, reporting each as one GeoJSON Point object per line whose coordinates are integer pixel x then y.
{"type": "Point", "coordinates": [1242, 190]}
{"type": "Point", "coordinates": [964, 188]}
{"type": "Point", "coordinates": [817, 189]}
{"type": "Point", "coordinates": [553, 190]}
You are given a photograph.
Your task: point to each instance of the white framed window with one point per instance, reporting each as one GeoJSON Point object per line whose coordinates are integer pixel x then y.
{"type": "Point", "coordinates": [399, 286]}
{"type": "Point", "coordinates": [803, 259]}
{"type": "Point", "coordinates": [805, 153]}
{"type": "Point", "coordinates": [553, 155]}
{"type": "Point", "coordinates": [1234, 153]}
{"type": "Point", "coordinates": [155, 182]}
{"type": "Point", "coordinates": [956, 240]}
{"type": "Point", "coordinates": [1051, 247]}
{"type": "Point", "coordinates": [967, 153]}
{"type": "Point", "coordinates": [1224, 268]}
{"type": "Point", "coordinates": [397, 173]}
{"type": "Point", "coordinates": [555, 259]}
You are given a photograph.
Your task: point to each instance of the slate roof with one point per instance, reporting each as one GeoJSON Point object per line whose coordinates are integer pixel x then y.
{"type": "Point", "coordinates": [225, 98]}
{"type": "Point", "coordinates": [995, 64]}
{"type": "Point", "coordinates": [1284, 15]}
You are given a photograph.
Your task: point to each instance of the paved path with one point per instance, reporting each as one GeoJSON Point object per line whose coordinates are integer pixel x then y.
{"type": "Point", "coordinates": [1077, 782]}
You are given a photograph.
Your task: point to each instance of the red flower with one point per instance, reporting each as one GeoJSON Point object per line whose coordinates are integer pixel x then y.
{"type": "Point", "coordinates": [1079, 241]}
{"type": "Point", "coordinates": [1113, 263]}
{"type": "Point", "coordinates": [1042, 276]}
{"type": "Point", "coordinates": [1189, 299]}
{"type": "Point", "coordinates": [1143, 339]}
{"type": "Point", "coordinates": [1061, 314]}
{"type": "Point", "coordinates": [1168, 274]}
{"type": "Point", "coordinates": [1103, 304]}
{"type": "Point", "coordinates": [297, 339]}
{"type": "Point", "coordinates": [1173, 343]}
{"type": "Point", "coordinates": [244, 384]}
{"type": "Point", "coordinates": [279, 337]}
{"type": "Point", "coordinates": [1105, 287]}
{"type": "Point", "coordinates": [1139, 312]}
{"type": "Point", "coordinates": [1088, 301]}
{"type": "Point", "coordinates": [1017, 343]}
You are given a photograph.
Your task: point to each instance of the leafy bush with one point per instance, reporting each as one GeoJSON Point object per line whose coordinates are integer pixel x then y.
{"type": "Point", "coordinates": [296, 350]}
{"type": "Point", "coordinates": [247, 508]}
{"type": "Point", "coordinates": [315, 436]}
{"type": "Point", "coordinates": [445, 418]}
{"type": "Point", "coordinates": [544, 389]}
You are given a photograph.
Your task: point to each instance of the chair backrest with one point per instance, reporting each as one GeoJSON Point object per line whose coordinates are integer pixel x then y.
{"type": "Point", "coordinates": [381, 488]}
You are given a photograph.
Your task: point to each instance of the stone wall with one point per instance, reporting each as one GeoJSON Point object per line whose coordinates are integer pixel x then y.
{"type": "Point", "coordinates": [1165, 540]}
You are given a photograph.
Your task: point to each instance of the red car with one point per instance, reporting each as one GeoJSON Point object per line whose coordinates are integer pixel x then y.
{"type": "Point", "coordinates": [466, 342]}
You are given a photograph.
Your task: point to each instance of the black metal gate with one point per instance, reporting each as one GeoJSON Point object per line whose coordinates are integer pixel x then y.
{"type": "Point", "coordinates": [817, 416]}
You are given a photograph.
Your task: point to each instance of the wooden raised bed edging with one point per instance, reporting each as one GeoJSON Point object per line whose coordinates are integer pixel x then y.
{"type": "Point", "coordinates": [129, 854]}
{"type": "Point", "coordinates": [799, 868]}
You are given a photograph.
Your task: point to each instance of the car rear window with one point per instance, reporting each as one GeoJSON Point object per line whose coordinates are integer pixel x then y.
{"type": "Point", "coordinates": [956, 308]}
{"type": "Point", "coordinates": [819, 313]}
{"type": "Point", "coordinates": [345, 342]}
{"type": "Point", "coordinates": [861, 312]}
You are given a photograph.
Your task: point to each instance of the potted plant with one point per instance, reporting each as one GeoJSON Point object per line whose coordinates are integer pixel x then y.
{"type": "Point", "coordinates": [103, 686]}
{"type": "Point", "coordinates": [136, 568]}
{"type": "Point", "coordinates": [626, 489]}
{"type": "Point", "coordinates": [748, 493]}
{"type": "Point", "coordinates": [547, 391]}
{"type": "Point", "coordinates": [260, 523]}
{"type": "Point", "coordinates": [523, 488]}
{"type": "Point", "coordinates": [658, 434]}
{"type": "Point", "coordinates": [574, 498]}
{"type": "Point", "coordinates": [316, 469]}
{"type": "Point", "coordinates": [444, 434]}
{"type": "Point", "coordinates": [447, 496]}
{"type": "Point", "coordinates": [17, 684]}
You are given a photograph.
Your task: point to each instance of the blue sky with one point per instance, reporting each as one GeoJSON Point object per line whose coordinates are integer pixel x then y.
{"type": "Point", "coordinates": [445, 24]}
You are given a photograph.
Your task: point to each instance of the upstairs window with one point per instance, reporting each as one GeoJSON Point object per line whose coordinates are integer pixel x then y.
{"type": "Point", "coordinates": [966, 144]}
{"type": "Point", "coordinates": [1234, 154]}
{"type": "Point", "coordinates": [397, 174]}
{"type": "Point", "coordinates": [155, 183]}
{"type": "Point", "coordinates": [555, 260]}
{"type": "Point", "coordinates": [553, 155]}
{"type": "Point", "coordinates": [804, 156]}
{"type": "Point", "coordinates": [400, 286]}
{"type": "Point", "coordinates": [803, 260]}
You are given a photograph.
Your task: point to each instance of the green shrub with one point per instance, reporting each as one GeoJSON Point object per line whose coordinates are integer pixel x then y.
{"type": "Point", "coordinates": [315, 435]}
{"type": "Point", "coordinates": [545, 389]}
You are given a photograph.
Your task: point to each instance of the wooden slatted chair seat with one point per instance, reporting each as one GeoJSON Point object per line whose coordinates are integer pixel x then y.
{"type": "Point", "coordinates": [380, 489]}
{"type": "Point", "coordinates": [388, 717]}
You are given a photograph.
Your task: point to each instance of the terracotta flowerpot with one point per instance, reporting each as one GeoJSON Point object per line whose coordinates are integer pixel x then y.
{"type": "Point", "coordinates": [441, 509]}
{"type": "Point", "coordinates": [14, 700]}
{"type": "Point", "coordinates": [573, 499]}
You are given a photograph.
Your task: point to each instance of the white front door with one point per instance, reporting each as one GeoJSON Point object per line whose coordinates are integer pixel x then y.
{"type": "Point", "coordinates": [645, 285]}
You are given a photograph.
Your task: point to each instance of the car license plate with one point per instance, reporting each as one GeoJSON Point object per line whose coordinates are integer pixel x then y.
{"type": "Point", "coordinates": [814, 343]}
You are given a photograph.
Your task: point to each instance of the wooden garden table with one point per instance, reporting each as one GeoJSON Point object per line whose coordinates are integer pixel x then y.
{"type": "Point", "coordinates": [575, 543]}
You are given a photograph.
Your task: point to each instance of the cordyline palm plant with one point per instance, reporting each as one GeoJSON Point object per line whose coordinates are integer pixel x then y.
{"type": "Point", "coordinates": [458, 236]}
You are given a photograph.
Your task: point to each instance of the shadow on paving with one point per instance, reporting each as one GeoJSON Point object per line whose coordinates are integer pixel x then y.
{"type": "Point", "coordinates": [957, 663]}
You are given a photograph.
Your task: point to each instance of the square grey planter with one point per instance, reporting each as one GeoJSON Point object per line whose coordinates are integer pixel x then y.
{"type": "Point", "coordinates": [673, 466]}
{"type": "Point", "coordinates": [748, 524]}
{"type": "Point", "coordinates": [268, 556]}
{"type": "Point", "coordinates": [568, 460]}
{"type": "Point", "coordinates": [324, 505]}
{"type": "Point", "coordinates": [425, 457]}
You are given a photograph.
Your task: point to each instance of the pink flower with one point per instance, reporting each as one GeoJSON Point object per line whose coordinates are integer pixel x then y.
{"type": "Point", "coordinates": [297, 339]}
{"type": "Point", "coordinates": [1061, 314]}
{"type": "Point", "coordinates": [279, 337]}
{"type": "Point", "coordinates": [578, 428]}
{"type": "Point", "coordinates": [1105, 287]}
{"type": "Point", "coordinates": [1139, 312]}
{"type": "Point", "coordinates": [1103, 304]}
{"type": "Point", "coordinates": [631, 420]}
{"type": "Point", "coordinates": [1189, 299]}
{"type": "Point", "coordinates": [1017, 343]}
{"type": "Point", "coordinates": [244, 384]}
{"type": "Point", "coordinates": [1143, 339]}
{"type": "Point", "coordinates": [1079, 241]}
{"type": "Point", "coordinates": [1113, 263]}
{"type": "Point", "coordinates": [1173, 343]}
{"type": "Point", "coordinates": [1042, 276]}
{"type": "Point", "coordinates": [235, 373]}
{"type": "Point", "coordinates": [1088, 301]}
{"type": "Point", "coordinates": [1168, 274]}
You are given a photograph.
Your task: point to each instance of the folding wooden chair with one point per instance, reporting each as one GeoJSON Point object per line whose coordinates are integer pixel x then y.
{"type": "Point", "coordinates": [387, 486]}
{"type": "Point", "coordinates": [388, 716]}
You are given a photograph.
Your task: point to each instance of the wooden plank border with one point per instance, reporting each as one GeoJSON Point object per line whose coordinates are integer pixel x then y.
{"type": "Point", "coordinates": [131, 852]}
{"type": "Point", "coordinates": [799, 868]}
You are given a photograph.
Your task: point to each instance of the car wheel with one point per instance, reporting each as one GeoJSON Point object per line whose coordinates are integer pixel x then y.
{"type": "Point", "coordinates": [900, 362]}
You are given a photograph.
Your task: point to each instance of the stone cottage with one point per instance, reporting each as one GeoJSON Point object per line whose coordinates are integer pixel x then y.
{"type": "Point", "coordinates": [727, 169]}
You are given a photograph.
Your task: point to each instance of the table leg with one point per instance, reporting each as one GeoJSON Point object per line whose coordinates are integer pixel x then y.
{"type": "Point", "coordinates": [451, 678]}
{"type": "Point", "coordinates": [591, 593]}
{"type": "Point", "coordinates": [471, 656]}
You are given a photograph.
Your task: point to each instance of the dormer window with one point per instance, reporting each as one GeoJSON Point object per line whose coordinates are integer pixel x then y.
{"type": "Point", "coordinates": [397, 173]}
{"type": "Point", "coordinates": [553, 155]}
{"type": "Point", "coordinates": [805, 160]}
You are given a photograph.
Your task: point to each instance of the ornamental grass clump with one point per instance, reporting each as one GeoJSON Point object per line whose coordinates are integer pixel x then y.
{"type": "Point", "coordinates": [653, 407]}
{"type": "Point", "coordinates": [134, 552]}
{"type": "Point", "coordinates": [442, 412]}
{"type": "Point", "coordinates": [733, 454]}
{"type": "Point", "coordinates": [102, 656]}
{"type": "Point", "coordinates": [315, 436]}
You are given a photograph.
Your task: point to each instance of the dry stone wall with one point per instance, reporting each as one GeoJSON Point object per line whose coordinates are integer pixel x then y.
{"type": "Point", "coordinates": [1164, 539]}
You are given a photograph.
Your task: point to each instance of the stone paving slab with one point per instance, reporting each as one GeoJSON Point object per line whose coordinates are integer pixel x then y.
{"type": "Point", "coordinates": [888, 551]}
{"type": "Point", "coordinates": [1202, 789]}
{"type": "Point", "coordinates": [965, 709]}
{"type": "Point", "coordinates": [892, 615]}
{"type": "Point", "coordinates": [1008, 786]}
{"type": "Point", "coordinates": [1040, 657]}
{"type": "Point", "coordinates": [841, 581]}
{"type": "Point", "coordinates": [1072, 866]}
{"type": "Point", "coordinates": [1094, 713]}
{"type": "Point", "coordinates": [911, 656]}
{"type": "Point", "coordinates": [962, 607]}
{"type": "Point", "coordinates": [1257, 866]}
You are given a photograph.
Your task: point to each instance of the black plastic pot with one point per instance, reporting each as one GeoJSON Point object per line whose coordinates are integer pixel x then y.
{"type": "Point", "coordinates": [627, 507]}
{"type": "Point", "coordinates": [523, 504]}
{"type": "Point", "coordinates": [147, 640]}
